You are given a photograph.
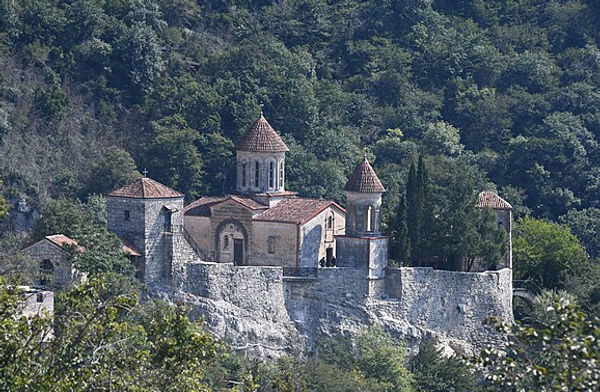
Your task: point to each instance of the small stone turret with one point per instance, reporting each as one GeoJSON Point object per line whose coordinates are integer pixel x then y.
{"type": "Point", "coordinates": [261, 161]}
{"type": "Point", "coordinates": [148, 215]}
{"type": "Point", "coordinates": [363, 245]}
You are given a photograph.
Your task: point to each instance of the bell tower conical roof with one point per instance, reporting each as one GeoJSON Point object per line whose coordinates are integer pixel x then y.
{"type": "Point", "coordinates": [364, 179]}
{"type": "Point", "coordinates": [261, 137]}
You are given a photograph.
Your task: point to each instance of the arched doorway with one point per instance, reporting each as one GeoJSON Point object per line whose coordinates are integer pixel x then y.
{"type": "Point", "coordinates": [231, 242]}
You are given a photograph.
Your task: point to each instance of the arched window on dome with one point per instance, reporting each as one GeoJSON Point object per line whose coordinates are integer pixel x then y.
{"type": "Point", "coordinates": [256, 174]}
{"type": "Point", "coordinates": [281, 172]}
{"type": "Point", "coordinates": [369, 219]}
{"type": "Point", "coordinates": [244, 174]}
{"type": "Point", "coordinates": [271, 174]}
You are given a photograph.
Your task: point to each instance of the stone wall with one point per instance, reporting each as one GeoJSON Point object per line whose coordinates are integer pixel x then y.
{"type": "Point", "coordinates": [242, 304]}
{"type": "Point", "coordinates": [262, 312]}
{"type": "Point", "coordinates": [63, 269]}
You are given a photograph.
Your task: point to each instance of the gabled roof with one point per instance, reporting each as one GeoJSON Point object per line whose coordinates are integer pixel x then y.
{"type": "Point", "coordinates": [145, 188]}
{"type": "Point", "coordinates": [201, 207]}
{"type": "Point", "coordinates": [364, 179]}
{"type": "Point", "coordinates": [60, 240]}
{"type": "Point", "coordinates": [295, 210]}
{"type": "Point", "coordinates": [489, 199]}
{"type": "Point", "coordinates": [261, 137]}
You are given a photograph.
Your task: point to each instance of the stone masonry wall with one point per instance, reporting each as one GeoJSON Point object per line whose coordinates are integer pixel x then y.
{"type": "Point", "coordinates": [45, 250]}
{"type": "Point", "coordinates": [261, 312]}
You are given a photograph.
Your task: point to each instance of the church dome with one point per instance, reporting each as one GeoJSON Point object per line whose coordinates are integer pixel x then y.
{"type": "Point", "coordinates": [364, 179]}
{"type": "Point", "coordinates": [261, 137]}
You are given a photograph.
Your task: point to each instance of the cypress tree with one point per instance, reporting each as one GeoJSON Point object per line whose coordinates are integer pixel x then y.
{"type": "Point", "coordinates": [413, 210]}
{"type": "Point", "coordinates": [400, 242]}
{"type": "Point", "coordinates": [425, 208]}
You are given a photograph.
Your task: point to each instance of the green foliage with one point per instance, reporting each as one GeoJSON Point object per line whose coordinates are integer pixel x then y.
{"type": "Point", "coordinates": [435, 373]}
{"type": "Point", "coordinates": [60, 217]}
{"type": "Point", "coordinates": [114, 170]}
{"type": "Point", "coordinates": [585, 224]}
{"type": "Point", "coordinates": [102, 252]}
{"type": "Point", "coordinates": [543, 251]}
{"type": "Point", "coordinates": [171, 156]}
{"type": "Point", "coordinates": [562, 354]}
{"type": "Point", "coordinates": [103, 338]}
{"type": "Point", "coordinates": [3, 203]}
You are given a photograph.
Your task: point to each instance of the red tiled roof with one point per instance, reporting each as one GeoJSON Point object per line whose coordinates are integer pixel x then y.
{"type": "Point", "coordinates": [201, 207]}
{"type": "Point", "coordinates": [145, 188]}
{"type": "Point", "coordinates": [128, 248]}
{"type": "Point", "coordinates": [364, 179]}
{"type": "Point", "coordinates": [261, 137]}
{"type": "Point", "coordinates": [61, 239]}
{"type": "Point", "coordinates": [491, 200]}
{"type": "Point", "coordinates": [295, 210]}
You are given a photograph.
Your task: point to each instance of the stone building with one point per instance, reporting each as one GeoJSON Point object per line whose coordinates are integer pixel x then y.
{"type": "Point", "coordinates": [264, 224]}
{"type": "Point", "coordinates": [503, 212]}
{"type": "Point", "coordinates": [363, 244]}
{"type": "Point", "coordinates": [149, 215]}
{"type": "Point", "coordinates": [56, 270]}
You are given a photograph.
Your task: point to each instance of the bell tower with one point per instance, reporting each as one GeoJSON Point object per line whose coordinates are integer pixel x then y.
{"type": "Point", "coordinates": [363, 244]}
{"type": "Point", "coordinates": [260, 155]}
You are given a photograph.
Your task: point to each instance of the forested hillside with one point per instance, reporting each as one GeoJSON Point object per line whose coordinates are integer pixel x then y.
{"type": "Point", "coordinates": [509, 88]}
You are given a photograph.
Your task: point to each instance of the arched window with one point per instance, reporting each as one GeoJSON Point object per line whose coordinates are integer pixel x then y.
{"type": "Point", "coordinates": [330, 222]}
{"type": "Point", "coordinates": [271, 245]}
{"type": "Point", "coordinates": [281, 184]}
{"type": "Point", "coordinates": [226, 242]}
{"type": "Point", "coordinates": [369, 219]}
{"type": "Point", "coordinates": [46, 272]}
{"type": "Point", "coordinates": [257, 174]}
{"type": "Point", "coordinates": [244, 175]}
{"type": "Point", "coordinates": [271, 174]}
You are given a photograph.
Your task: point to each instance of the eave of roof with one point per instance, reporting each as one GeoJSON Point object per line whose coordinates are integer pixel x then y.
{"type": "Point", "coordinates": [145, 188]}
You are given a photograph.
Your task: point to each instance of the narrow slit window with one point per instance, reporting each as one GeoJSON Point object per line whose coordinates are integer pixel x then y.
{"type": "Point", "coordinates": [271, 174]}
{"type": "Point", "coordinates": [244, 179]}
{"type": "Point", "coordinates": [256, 174]}
{"type": "Point", "coordinates": [281, 184]}
{"type": "Point", "coordinates": [126, 215]}
{"type": "Point", "coordinates": [369, 219]}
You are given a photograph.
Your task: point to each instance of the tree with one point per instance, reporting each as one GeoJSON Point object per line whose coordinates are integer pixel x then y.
{"type": "Point", "coordinates": [103, 338]}
{"type": "Point", "coordinates": [433, 372]}
{"type": "Point", "coordinates": [172, 157]}
{"type": "Point", "coordinates": [114, 170]}
{"type": "Point", "coordinates": [3, 204]}
{"type": "Point", "coordinates": [543, 251]}
{"type": "Point", "coordinates": [400, 249]}
{"type": "Point", "coordinates": [60, 217]}
{"type": "Point", "coordinates": [562, 354]}
{"type": "Point", "coordinates": [585, 224]}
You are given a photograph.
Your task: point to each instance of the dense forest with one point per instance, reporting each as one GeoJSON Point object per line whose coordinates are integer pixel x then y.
{"type": "Point", "coordinates": [447, 98]}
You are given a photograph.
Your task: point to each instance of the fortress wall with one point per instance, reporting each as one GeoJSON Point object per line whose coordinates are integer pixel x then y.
{"type": "Point", "coordinates": [448, 303]}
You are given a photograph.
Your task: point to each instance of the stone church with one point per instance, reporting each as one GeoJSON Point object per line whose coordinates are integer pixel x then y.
{"type": "Point", "coordinates": [263, 224]}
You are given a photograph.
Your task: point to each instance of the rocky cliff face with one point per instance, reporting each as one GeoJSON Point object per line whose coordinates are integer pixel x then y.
{"type": "Point", "coordinates": [265, 314]}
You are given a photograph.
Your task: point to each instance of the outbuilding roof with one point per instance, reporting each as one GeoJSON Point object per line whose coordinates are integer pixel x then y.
{"type": "Point", "coordinates": [60, 240]}
{"type": "Point", "coordinates": [364, 179]}
{"type": "Point", "coordinates": [489, 199]}
{"type": "Point", "coordinates": [295, 210]}
{"type": "Point", "coordinates": [146, 188]}
{"type": "Point", "coordinates": [261, 137]}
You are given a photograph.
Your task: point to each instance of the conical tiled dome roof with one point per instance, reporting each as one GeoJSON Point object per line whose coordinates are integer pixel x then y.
{"type": "Point", "coordinates": [261, 137]}
{"type": "Point", "coordinates": [364, 179]}
{"type": "Point", "coordinates": [145, 188]}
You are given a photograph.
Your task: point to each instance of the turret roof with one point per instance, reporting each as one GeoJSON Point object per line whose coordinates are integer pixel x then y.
{"type": "Point", "coordinates": [364, 179]}
{"type": "Point", "coordinates": [489, 199]}
{"type": "Point", "coordinates": [261, 137]}
{"type": "Point", "coordinates": [145, 188]}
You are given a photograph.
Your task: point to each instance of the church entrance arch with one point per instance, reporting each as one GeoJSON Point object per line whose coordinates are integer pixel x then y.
{"type": "Point", "coordinates": [231, 242]}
